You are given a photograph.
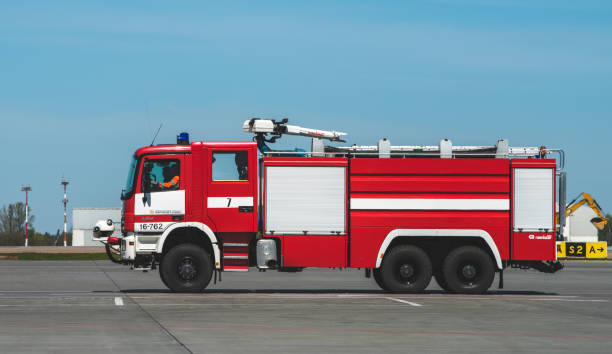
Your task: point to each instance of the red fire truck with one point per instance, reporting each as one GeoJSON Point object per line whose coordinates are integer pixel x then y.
{"type": "Point", "coordinates": [405, 214]}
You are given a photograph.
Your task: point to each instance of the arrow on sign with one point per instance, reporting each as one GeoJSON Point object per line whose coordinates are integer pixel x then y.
{"type": "Point", "coordinates": [593, 249]}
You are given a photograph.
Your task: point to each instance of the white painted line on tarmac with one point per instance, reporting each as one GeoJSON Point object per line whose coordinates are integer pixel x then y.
{"type": "Point", "coordinates": [119, 301]}
{"type": "Point", "coordinates": [403, 301]}
{"type": "Point", "coordinates": [262, 305]}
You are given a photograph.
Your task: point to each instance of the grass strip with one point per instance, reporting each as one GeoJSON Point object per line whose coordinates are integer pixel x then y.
{"type": "Point", "coordinates": [53, 256]}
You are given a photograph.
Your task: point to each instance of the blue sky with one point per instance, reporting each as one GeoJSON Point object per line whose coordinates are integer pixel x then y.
{"type": "Point", "coordinates": [83, 84]}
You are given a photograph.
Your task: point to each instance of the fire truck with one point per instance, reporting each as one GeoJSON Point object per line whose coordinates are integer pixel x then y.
{"type": "Point", "coordinates": [404, 214]}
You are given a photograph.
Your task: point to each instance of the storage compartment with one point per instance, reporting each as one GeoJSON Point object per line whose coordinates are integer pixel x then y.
{"type": "Point", "coordinates": [533, 199]}
{"type": "Point", "coordinates": [314, 251]}
{"type": "Point", "coordinates": [533, 204]}
{"type": "Point", "coordinates": [305, 200]}
{"type": "Point", "coordinates": [534, 246]}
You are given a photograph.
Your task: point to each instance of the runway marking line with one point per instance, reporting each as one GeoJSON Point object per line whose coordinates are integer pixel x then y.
{"type": "Point", "coordinates": [118, 301]}
{"type": "Point", "coordinates": [404, 301]}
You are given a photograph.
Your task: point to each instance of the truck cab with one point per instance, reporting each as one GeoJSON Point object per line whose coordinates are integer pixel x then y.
{"type": "Point", "coordinates": [205, 192]}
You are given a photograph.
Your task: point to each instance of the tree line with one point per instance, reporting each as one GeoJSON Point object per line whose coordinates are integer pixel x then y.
{"type": "Point", "coordinates": [12, 229]}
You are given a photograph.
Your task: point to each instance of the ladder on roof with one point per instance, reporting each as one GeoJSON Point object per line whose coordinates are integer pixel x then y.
{"type": "Point", "coordinates": [445, 149]}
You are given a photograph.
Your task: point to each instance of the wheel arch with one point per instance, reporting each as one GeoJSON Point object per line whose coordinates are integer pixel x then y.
{"type": "Point", "coordinates": [190, 232]}
{"type": "Point", "coordinates": [477, 236]}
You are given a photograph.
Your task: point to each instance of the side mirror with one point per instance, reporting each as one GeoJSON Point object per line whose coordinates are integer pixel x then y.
{"type": "Point", "coordinates": [145, 183]}
{"type": "Point", "coordinates": [145, 186]}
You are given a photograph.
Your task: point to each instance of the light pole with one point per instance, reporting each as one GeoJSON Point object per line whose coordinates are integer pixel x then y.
{"type": "Point", "coordinates": [65, 183]}
{"type": "Point", "coordinates": [26, 189]}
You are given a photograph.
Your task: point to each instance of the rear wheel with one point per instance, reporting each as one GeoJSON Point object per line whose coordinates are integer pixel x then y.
{"type": "Point", "coordinates": [468, 270]}
{"type": "Point", "coordinates": [406, 269]}
{"type": "Point", "coordinates": [186, 268]}
{"type": "Point", "coordinates": [441, 281]}
{"type": "Point", "coordinates": [378, 278]}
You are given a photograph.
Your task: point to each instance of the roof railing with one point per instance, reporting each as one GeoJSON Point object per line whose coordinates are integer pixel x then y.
{"type": "Point", "coordinates": [444, 150]}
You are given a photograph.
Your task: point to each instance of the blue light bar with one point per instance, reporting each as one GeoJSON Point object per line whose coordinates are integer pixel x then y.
{"type": "Point", "coordinates": [182, 139]}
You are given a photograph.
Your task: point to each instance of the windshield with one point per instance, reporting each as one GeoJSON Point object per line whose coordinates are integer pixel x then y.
{"type": "Point", "coordinates": [129, 184]}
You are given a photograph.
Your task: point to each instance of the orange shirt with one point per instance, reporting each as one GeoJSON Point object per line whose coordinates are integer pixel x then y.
{"type": "Point", "coordinates": [173, 182]}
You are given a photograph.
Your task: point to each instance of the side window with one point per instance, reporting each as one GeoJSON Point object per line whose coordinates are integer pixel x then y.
{"type": "Point", "coordinates": [230, 166]}
{"type": "Point", "coordinates": [161, 175]}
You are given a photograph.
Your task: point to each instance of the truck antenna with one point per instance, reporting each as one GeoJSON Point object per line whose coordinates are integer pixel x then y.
{"type": "Point", "coordinates": [155, 137]}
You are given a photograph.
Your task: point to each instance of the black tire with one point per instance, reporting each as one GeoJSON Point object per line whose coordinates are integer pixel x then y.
{"type": "Point", "coordinates": [161, 275]}
{"type": "Point", "coordinates": [441, 281]}
{"type": "Point", "coordinates": [406, 269]}
{"type": "Point", "coordinates": [186, 268]}
{"type": "Point", "coordinates": [468, 270]}
{"type": "Point", "coordinates": [378, 278]}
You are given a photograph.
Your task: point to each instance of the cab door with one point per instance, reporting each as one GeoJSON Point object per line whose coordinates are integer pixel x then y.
{"type": "Point", "coordinates": [231, 199]}
{"type": "Point", "coordinates": [160, 200]}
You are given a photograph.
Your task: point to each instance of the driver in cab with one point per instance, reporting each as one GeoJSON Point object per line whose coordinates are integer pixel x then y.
{"type": "Point", "coordinates": [171, 179]}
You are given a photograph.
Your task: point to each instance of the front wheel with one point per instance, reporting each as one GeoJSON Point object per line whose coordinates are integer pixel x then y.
{"type": "Point", "coordinates": [406, 269]}
{"type": "Point", "coordinates": [468, 270]}
{"type": "Point", "coordinates": [161, 276]}
{"type": "Point", "coordinates": [186, 268]}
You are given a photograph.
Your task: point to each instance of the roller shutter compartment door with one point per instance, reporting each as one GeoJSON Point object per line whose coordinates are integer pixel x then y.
{"type": "Point", "coordinates": [533, 199]}
{"type": "Point", "coordinates": [305, 200]}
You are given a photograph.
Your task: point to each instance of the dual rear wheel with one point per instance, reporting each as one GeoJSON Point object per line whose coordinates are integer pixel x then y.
{"type": "Point", "coordinates": [408, 269]}
{"type": "Point", "coordinates": [405, 269]}
{"type": "Point", "coordinates": [467, 270]}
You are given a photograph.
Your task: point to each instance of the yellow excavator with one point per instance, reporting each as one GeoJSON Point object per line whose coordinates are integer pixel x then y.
{"type": "Point", "coordinates": [599, 222]}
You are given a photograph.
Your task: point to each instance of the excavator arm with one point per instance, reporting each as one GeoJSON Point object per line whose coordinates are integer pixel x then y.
{"type": "Point", "coordinates": [600, 221]}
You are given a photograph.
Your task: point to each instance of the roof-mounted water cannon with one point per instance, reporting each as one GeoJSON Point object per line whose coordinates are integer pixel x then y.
{"type": "Point", "coordinates": [264, 127]}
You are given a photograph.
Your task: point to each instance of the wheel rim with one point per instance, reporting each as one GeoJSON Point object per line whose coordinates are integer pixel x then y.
{"type": "Point", "coordinates": [187, 269]}
{"type": "Point", "coordinates": [469, 273]}
{"type": "Point", "coordinates": [407, 273]}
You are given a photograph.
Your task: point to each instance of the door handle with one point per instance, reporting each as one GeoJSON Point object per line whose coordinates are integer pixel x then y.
{"type": "Point", "coordinates": [245, 209]}
{"type": "Point", "coordinates": [177, 217]}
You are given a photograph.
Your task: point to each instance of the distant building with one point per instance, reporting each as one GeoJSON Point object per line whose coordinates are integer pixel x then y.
{"type": "Point", "coordinates": [579, 227]}
{"type": "Point", "coordinates": [84, 220]}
